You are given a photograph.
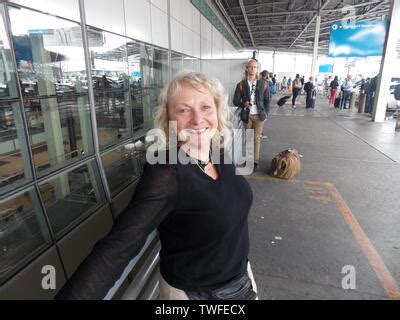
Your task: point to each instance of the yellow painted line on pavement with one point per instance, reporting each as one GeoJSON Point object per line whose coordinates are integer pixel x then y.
{"type": "Point", "coordinates": [374, 259]}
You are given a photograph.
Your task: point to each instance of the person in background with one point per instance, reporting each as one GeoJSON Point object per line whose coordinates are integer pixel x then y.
{"type": "Point", "coordinates": [265, 75]}
{"type": "Point", "coordinates": [346, 91]}
{"type": "Point", "coordinates": [327, 82]}
{"type": "Point", "coordinates": [274, 83]}
{"type": "Point", "coordinates": [311, 93]}
{"type": "Point", "coordinates": [302, 79]}
{"type": "Point", "coordinates": [296, 90]}
{"type": "Point", "coordinates": [199, 207]}
{"type": "Point", "coordinates": [334, 85]}
{"type": "Point", "coordinates": [253, 93]}
{"type": "Point", "coordinates": [284, 84]}
{"type": "Point", "coordinates": [371, 95]}
{"type": "Point", "coordinates": [289, 84]}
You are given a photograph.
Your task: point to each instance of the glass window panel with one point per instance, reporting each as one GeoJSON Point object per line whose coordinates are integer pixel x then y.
{"type": "Point", "coordinates": [196, 65]}
{"type": "Point", "coordinates": [123, 164]}
{"type": "Point", "coordinates": [176, 63]}
{"type": "Point", "coordinates": [144, 85]}
{"type": "Point", "coordinates": [136, 83]}
{"type": "Point", "coordinates": [188, 63]}
{"type": "Point", "coordinates": [160, 66]}
{"type": "Point", "coordinates": [111, 87]}
{"type": "Point", "coordinates": [49, 54]}
{"type": "Point", "coordinates": [8, 82]}
{"type": "Point", "coordinates": [52, 72]}
{"type": "Point", "coordinates": [23, 232]}
{"type": "Point", "coordinates": [14, 159]}
{"type": "Point", "coordinates": [59, 131]}
{"type": "Point", "coordinates": [72, 196]}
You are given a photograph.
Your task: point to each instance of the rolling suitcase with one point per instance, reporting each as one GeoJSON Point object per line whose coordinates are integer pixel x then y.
{"type": "Point", "coordinates": [283, 100]}
{"type": "Point", "coordinates": [337, 102]}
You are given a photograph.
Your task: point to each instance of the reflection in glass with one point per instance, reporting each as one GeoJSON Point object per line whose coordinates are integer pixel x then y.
{"type": "Point", "coordinates": [8, 82]}
{"type": "Point", "coordinates": [110, 86]}
{"type": "Point", "coordinates": [49, 54]}
{"type": "Point", "coordinates": [52, 72]}
{"type": "Point", "coordinates": [23, 232]}
{"type": "Point", "coordinates": [176, 63]}
{"type": "Point", "coordinates": [59, 131]}
{"type": "Point", "coordinates": [196, 65]}
{"type": "Point", "coordinates": [188, 63]}
{"type": "Point", "coordinates": [123, 164]}
{"type": "Point", "coordinates": [72, 196]}
{"type": "Point", "coordinates": [160, 71]}
{"type": "Point", "coordinates": [14, 160]}
{"type": "Point", "coordinates": [139, 65]}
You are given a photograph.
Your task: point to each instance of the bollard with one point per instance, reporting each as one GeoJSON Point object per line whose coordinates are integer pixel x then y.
{"type": "Point", "coordinates": [352, 103]}
{"type": "Point", "coordinates": [361, 102]}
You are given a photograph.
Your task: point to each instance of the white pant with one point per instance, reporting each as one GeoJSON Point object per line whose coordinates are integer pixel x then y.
{"type": "Point", "coordinates": [168, 292]}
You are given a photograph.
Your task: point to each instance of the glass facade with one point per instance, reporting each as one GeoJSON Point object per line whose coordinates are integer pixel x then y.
{"type": "Point", "coordinates": [72, 196]}
{"type": "Point", "coordinates": [76, 100]}
{"type": "Point", "coordinates": [50, 177]}
{"type": "Point", "coordinates": [23, 232]}
{"type": "Point", "coordinates": [50, 63]}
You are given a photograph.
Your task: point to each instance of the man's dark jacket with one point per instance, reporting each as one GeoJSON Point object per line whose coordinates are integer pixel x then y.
{"type": "Point", "coordinates": [262, 97]}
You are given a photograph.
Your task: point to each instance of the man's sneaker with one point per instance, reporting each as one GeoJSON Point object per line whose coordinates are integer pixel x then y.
{"type": "Point", "coordinates": [293, 106]}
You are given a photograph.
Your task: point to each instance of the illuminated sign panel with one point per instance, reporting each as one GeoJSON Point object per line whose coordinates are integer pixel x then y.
{"type": "Point", "coordinates": [357, 39]}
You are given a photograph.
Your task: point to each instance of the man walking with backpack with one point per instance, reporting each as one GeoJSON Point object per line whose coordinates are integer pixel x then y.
{"type": "Point", "coordinates": [253, 94]}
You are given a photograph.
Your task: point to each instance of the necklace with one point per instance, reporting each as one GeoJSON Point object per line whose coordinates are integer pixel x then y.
{"type": "Point", "coordinates": [203, 165]}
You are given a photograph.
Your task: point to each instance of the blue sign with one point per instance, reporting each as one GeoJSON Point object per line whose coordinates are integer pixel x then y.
{"type": "Point", "coordinates": [136, 74]}
{"type": "Point", "coordinates": [357, 39]}
{"type": "Point", "coordinates": [326, 68]}
{"type": "Point", "coordinates": [41, 31]}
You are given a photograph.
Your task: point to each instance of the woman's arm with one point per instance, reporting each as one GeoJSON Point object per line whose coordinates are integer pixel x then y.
{"type": "Point", "coordinates": [237, 98]}
{"type": "Point", "coordinates": [267, 97]}
{"type": "Point", "coordinates": [154, 198]}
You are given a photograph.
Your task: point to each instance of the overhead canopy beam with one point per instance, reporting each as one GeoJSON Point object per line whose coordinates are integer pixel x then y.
{"type": "Point", "coordinates": [229, 20]}
{"type": "Point", "coordinates": [252, 7]}
{"type": "Point", "coordinates": [310, 22]}
{"type": "Point", "coordinates": [247, 21]}
{"type": "Point", "coordinates": [298, 12]}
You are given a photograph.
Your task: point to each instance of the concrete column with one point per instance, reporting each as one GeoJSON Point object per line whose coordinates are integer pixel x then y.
{"type": "Point", "coordinates": [273, 62]}
{"type": "Point", "coordinates": [389, 58]}
{"type": "Point", "coordinates": [316, 43]}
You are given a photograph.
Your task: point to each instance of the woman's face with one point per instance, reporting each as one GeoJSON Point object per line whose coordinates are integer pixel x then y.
{"type": "Point", "coordinates": [195, 113]}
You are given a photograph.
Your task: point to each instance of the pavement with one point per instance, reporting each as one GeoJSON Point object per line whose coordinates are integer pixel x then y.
{"type": "Point", "coordinates": [333, 231]}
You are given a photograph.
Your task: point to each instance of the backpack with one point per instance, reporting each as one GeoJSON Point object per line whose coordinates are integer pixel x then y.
{"type": "Point", "coordinates": [286, 164]}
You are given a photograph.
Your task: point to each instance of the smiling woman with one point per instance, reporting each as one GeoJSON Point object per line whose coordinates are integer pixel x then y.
{"type": "Point", "coordinates": [199, 207]}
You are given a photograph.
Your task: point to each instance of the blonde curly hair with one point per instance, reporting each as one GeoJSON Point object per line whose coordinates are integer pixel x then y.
{"type": "Point", "coordinates": [197, 80]}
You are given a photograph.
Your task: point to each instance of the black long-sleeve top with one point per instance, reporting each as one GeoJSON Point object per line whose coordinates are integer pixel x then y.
{"type": "Point", "coordinates": [334, 84]}
{"type": "Point", "coordinates": [202, 225]}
